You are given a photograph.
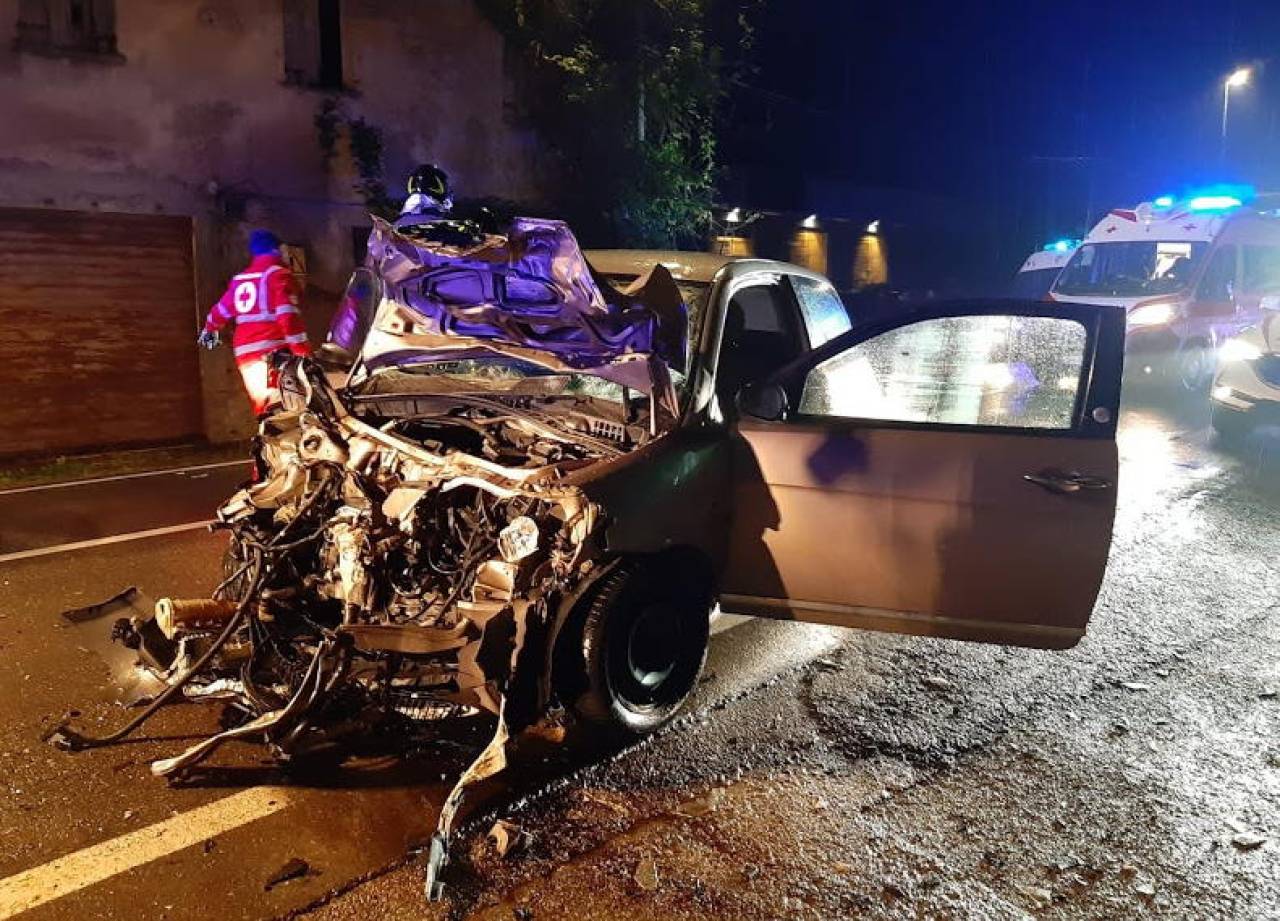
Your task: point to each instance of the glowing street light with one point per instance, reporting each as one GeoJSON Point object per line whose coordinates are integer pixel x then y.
{"type": "Point", "coordinates": [1238, 78]}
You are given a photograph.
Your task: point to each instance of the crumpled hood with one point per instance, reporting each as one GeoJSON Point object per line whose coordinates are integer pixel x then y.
{"type": "Point", "coordinates": [529, 293]}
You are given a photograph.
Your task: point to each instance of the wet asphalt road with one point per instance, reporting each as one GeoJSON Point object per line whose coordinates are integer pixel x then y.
{"type": "Point", "coordinates": [819, 774]}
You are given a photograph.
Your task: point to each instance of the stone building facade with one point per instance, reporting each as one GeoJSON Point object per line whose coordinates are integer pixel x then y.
{"type": "Point", "coordinates": [157, 133]}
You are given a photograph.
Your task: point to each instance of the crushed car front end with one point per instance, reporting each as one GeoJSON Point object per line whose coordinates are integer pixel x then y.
{"type": "Point", "coordinates": [412, 544]}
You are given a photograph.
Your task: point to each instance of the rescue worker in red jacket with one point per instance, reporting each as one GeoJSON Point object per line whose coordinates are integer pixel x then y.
{"type": "Point", "coordinates": [262, 301]}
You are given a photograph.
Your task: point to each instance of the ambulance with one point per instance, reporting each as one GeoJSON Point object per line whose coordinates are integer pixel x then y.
{"type": "Point", "coordinates": [1191, 272]}
{"type": "Point", "coordinates": [1041, 269]}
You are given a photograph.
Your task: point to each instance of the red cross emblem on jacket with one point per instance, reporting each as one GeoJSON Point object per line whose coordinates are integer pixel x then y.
{"type": "Point", "coordinates": [262, 301]}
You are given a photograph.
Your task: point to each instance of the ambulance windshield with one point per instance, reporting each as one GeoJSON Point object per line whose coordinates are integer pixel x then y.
{"type": "Point", "coordinates": [1132, 269]}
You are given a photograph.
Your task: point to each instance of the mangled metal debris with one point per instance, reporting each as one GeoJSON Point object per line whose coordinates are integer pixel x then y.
{"type": "Point", "coordinates": [508, 838]}
{"type": "Point", "coordinates": [410, 548]}
{"type": "Point", "coordinates": [293, 868]}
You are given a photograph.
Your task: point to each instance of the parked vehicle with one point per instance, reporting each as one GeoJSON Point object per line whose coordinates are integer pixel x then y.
{"type": "Point", "coordinates": [1246, 391]}
{"type": "Point", "coordinates": [1190, 274]}
{"type": "Point", "coordinates": [1041, 269]}
{"type": "Point", "coordinates": [543, 474]}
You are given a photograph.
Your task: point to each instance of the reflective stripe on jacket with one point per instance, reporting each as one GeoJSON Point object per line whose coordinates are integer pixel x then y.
{"type": "Point", "coordinates": [262, 302]}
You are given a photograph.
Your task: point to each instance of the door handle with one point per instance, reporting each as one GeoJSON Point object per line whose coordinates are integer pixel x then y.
{"type": "Point", "coordinates": [1066, 483]}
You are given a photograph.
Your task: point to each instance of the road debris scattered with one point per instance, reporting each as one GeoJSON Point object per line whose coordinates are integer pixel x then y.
{"type": "Point", "coordinates": [1248, 840]}
{"type": "Point", "coordinates": [1037, 894]}
{"type": "Point", "coordinates": [294, 868]}
{"type": "Point", "coordinates": [508, 838]}
{"type": "Point", "coordinates": [646, 875]}
{"type": "Point", "coordinates": [703, 805]}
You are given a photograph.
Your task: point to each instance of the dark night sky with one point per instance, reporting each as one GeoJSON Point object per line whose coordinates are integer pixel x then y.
{"type": "Point", "coordinates": [1045, 113]}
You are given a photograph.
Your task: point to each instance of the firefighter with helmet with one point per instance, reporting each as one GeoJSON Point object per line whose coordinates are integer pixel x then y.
{"type": "Point", "coordinates": [425, 213]}
{"type": "Point", "coordinates": [262, 302]}
{"type": "Point", "coordinates": [429, 196]}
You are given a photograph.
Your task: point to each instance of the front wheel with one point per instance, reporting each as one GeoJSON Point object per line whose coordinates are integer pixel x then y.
{"type": "Point", "coordinates": [643, 644]}
{"type": "Point", "coordinates": [1196, 363]}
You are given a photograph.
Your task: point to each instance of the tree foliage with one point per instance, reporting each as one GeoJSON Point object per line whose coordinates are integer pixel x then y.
{"type": "Point", "coordinates": [623, 94]}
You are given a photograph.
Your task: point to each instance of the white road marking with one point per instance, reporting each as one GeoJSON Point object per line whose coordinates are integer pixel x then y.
{"type": "Point", "coordinates": [82, 869]}
{"type": "Point", "coordinates": [102, 541]}
{"type": "Point", "coordinates": [724, 621]}
{"type": "Point", "coordinates": [126, 476]}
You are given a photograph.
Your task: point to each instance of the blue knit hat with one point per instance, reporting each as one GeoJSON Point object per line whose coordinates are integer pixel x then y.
{"type": "Point", "coordinates": [263, 242]}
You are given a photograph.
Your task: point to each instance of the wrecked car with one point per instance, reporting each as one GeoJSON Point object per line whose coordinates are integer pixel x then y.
{"type": "Point", "coordinates": [544, 472]}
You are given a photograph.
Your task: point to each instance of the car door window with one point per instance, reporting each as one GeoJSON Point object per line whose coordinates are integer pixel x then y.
{"type": "Point", "coordinates": [1261, 270]}
{"type": "Point", "coordinates": [824, 313]}
{"type": "Point", "coordinates": [760, 335]}
{"type": "Point", "coordinates": [1217, 285]}
{"type": "Point", "coordinates": [1007, 371]}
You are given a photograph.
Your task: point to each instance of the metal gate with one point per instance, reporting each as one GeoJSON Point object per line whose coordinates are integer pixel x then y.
{"type": "Point", "coordinates": [97, 329]}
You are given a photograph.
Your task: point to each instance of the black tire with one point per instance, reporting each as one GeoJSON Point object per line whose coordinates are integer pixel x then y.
{"type": "Point", "coordinates": [1194, 366]}
{"type": "Point", "coordinates": [641, 648]}
{"type": "Point", "coordinates": [1233, 427]}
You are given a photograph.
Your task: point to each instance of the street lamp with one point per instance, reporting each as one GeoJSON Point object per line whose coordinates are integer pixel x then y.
{"type": "Point", "coordinates": [1239, 77]}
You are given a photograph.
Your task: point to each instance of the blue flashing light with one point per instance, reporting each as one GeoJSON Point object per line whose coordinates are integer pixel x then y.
{"type": "Point", "coordinates": [1221, 196]}
{"type": "Point", "coordinates": [1061, 246]}
{"type": "Point", "coordinates": [1214, 203]}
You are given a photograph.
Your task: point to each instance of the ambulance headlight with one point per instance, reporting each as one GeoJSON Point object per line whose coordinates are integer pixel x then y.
{"type": "Point", "coordinates": [1152, 315]}
{"type": "Point", "coordinates": [1238, 350]}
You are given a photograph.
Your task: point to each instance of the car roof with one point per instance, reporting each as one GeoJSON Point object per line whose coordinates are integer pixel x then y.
{"type": "Point", "coordinates": [683, 265]}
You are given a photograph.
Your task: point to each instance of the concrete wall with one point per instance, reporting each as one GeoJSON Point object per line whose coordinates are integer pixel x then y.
{"type": "Point", "coordinates": [196, 120]}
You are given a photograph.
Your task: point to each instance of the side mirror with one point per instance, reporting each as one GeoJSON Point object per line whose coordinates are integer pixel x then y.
{"type": "Point", "coordinates": [763, 401]}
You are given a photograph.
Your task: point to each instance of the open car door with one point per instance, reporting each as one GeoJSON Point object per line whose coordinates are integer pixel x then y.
{"type": "Point", "coordinates": [947, 472]}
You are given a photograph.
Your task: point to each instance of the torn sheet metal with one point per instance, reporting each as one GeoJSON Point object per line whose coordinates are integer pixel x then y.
{"type": "Point", "coordinates": [110, 630]}
{"type": "Point", "coordinates": [528, 294]}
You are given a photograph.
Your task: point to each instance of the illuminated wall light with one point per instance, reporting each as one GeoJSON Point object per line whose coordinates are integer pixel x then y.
{"type": "Point", "coordinates": [809, 249]}
{"type": "Point", "coordinates": [874, 226]}
{"type": "Point", "coordinates": [810, 223]}
{"type": "Point", "coordinates": [870, 262]}
{"type": "Point", "coordinates": [731, 245]}
{"type": "Point", "coordinates": [734, 216]}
